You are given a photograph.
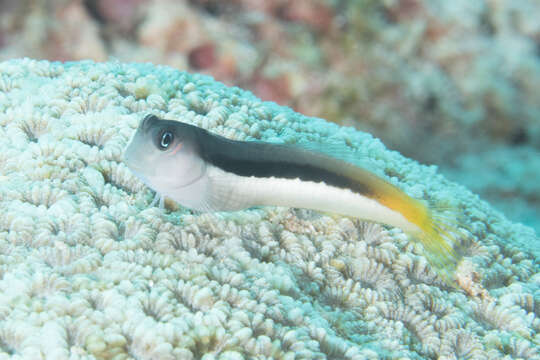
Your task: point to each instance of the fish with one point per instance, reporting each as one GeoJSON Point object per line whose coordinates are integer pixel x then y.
{"type": "Point", "coordinates": [207, 172]}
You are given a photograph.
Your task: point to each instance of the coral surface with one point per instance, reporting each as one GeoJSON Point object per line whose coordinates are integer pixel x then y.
{"type": "Point", "coordinates": [88, 270]}
{"type": "Point", "coordinates": [507, 180]}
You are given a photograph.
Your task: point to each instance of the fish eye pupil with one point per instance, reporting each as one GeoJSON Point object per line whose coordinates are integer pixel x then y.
{"type": "Point", "coordinates": [166, 140]}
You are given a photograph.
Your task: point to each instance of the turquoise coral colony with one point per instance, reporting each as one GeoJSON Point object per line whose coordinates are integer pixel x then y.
{"type": "Point", "coordinates": [89, 270]}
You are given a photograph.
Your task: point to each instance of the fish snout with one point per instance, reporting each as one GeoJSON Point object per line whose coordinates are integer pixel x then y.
{"type": "Point", "coordinates": [125, 157]}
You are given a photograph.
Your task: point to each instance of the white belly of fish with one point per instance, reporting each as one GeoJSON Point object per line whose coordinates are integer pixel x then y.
{"type": "Point", "coordinates": [232, 192]}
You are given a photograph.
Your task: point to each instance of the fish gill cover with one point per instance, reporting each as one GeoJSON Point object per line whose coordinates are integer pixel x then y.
{"type": "Point", "coordinates": [89, 270]}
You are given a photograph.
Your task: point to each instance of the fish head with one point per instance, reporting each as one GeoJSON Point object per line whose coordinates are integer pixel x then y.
{"type": "Point", "coordinates": [164, 154]}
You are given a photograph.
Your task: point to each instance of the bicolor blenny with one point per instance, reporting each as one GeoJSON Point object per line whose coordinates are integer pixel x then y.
{"type": "Point", "coordinates": [207, 172]}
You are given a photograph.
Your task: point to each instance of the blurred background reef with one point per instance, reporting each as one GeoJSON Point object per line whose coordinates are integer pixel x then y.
{"type": "Point", "coordinates": [451, 83]}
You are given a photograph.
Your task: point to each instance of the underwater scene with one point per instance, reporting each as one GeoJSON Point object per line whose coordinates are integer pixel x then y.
{"type": "Point", "coordinates": [247, 179]}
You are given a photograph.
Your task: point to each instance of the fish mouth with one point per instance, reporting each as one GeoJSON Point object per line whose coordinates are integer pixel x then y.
{"type": "Point", "coordinates": [144, 174]}
{"type": "Point", "coordinates": [139, 174]}
{"type": "Point", "coordinates": [137, 170]}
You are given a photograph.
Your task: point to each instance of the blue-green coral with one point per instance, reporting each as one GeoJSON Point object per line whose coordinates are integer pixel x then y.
{"type": "Point", "coordinates": [88, 270]}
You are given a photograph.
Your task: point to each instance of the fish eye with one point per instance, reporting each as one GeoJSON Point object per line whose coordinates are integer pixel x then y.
{"type": "Point", "coordinates": [166, 139]}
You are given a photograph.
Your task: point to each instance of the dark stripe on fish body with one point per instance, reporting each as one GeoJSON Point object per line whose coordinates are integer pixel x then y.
{"type": "Point", "coordinates": [265, 160]}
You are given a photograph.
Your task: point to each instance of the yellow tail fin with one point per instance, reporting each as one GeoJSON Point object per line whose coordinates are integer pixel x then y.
{"type": "Point", "coordinates": [441, 237]}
